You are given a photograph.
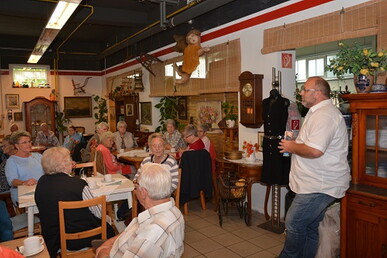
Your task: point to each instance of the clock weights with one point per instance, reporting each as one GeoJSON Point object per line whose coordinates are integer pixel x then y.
{"type": "Point", "coordinates": [250, 99]}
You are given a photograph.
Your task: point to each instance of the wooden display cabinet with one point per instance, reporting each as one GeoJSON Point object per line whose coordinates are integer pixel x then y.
{"type": "Point", "coordinates": [364, 208]}
{"type": "Point", "coordinates": [126, 109]}
{"type": "Point", "coordinates": [37, 111]}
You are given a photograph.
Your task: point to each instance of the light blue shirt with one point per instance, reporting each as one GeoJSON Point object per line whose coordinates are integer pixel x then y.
{"type": "Point", "coordinates": [69, 141]}
{"type": "Point", "coordinates": [23, 169]}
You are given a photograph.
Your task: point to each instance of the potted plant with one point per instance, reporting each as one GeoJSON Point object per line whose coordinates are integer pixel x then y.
{"type": "Point", "coordinates": [61, 124]}
{"type": "Point", "coordinates": [364, 63]}
{"type": "Point", "coordinates": [230, 116]}
{"type": "Point", "coordinates": [168, 110]}
{"type": "Point", "coordinates": [101, 108]}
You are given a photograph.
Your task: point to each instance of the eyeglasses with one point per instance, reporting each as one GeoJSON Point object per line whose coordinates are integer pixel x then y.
{"type": "Point", "coordinates": [306, 90]}
{"type": "Point", "coordinates": [25, 142]}
{"type": "Point", "coordinates": [185, 137]}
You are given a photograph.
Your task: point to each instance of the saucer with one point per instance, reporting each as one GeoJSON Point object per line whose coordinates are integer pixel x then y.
{"type": "Point", "coordinates": [21, 249]}
{"type": "Point", "coordinates": [111, 181]}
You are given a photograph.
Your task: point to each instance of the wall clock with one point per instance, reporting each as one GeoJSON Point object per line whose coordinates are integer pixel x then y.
{"type": "Point", "coordinates": [250, 99]}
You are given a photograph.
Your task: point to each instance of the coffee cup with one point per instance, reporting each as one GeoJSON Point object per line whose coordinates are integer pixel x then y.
{"type": "Point", "coordinates": [108, 178]}
{"type": "Point", "coordinates": [173, 150]}
{"type": "Point", "coordinates": [32, 244]}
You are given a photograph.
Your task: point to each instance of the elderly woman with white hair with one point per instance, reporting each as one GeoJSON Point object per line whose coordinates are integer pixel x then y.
{"type": "Point", "coordinates": [173, 137]}
{"type": "Point", "coordinates": [109, 160]}
{"type": "Point", "coordinates": [94, 141]}
{"type": "Point", "coordinates": [157, 145]}
{"type": "Point", "coordinates": [122, 138]}
{"type": "Point", "coordinates": [57, 185]}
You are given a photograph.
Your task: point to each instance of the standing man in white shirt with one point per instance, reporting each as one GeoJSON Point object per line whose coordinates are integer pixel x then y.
{"type": "Point", "coordinates": [319, 171]}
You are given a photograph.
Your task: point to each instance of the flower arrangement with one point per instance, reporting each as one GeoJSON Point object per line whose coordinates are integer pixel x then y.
{"type": "Point", "coordinates": [208, 115]}
{"type": "Point", "coordinates": [357, 60]}
{"type": "Point", "coordinates": [250, 148]}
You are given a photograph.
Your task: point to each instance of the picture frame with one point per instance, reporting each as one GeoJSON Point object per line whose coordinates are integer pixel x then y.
{"type": "Point", "coordinates": [146, 113]}
{"type": "Point", "coordinates": [260, 141]}
{"type": "Point", "coordinates": [129, 110]}
{"type": "Point", "coordinates": [78, 106]}
{"type": "Point", "coordinates": [182, 108]}
{"type": "Point", "coordinates": [12, 101]}
{"type": "Point", "coordinates": [18, 116]}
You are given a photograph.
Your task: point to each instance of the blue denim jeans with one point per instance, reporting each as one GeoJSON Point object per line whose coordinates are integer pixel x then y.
{"type": "Point", "coordinates": [302, 221]}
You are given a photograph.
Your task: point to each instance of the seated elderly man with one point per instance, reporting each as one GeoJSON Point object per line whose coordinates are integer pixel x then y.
{"type": "Point", "coordinates": [46, 137]}
{"type": "Point", "coordinates": [156, 232]}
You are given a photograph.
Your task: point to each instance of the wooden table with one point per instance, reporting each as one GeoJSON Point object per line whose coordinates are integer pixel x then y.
{"type": "Point", "coordinates": [132, 156]}
{"type": "Point", "coordinates": [251, 171]}
{"type": "Point", "coordinates": [12, 244]}
{"type": "Point", "coordinates": [123, 191]}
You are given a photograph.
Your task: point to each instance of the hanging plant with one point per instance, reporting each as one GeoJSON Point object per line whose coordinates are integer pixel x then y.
{"type": "Point", "coordinates": [101, 114]}
{"type": "Point", "coordinates": [168, 110]}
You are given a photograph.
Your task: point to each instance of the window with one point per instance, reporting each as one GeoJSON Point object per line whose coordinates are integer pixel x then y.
{"type": "Point", "coordinates": [29, 76]}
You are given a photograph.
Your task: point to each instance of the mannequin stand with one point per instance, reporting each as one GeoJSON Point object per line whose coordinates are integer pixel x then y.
{"type": "Point", "coordinates": [274, 224]}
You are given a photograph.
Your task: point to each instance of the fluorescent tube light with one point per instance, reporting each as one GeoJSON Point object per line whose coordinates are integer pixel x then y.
{"type": "Point", "coordinates": [63, 10]}
{"type": "Point", "coordinates": [61, 14]}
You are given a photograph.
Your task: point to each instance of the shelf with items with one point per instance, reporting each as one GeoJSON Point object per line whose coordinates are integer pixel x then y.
{"type": "Point", "coordinates": [30, 76]}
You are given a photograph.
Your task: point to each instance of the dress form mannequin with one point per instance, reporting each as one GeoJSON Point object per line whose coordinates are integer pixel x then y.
{"type": "Point", "coordinates": [275, 115]}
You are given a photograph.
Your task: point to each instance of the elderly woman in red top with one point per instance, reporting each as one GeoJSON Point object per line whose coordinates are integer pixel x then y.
{"type": "Point", "coordinates": [109, 160]}
{"type": "Point", "coordinates": [192, 138]}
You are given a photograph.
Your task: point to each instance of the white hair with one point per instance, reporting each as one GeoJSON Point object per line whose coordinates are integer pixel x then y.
{"type": "Point", "coordinates": [156, 179]}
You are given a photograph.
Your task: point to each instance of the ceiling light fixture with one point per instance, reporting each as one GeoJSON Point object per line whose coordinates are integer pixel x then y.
{"type": "Point", "coordinates": [63, 10]}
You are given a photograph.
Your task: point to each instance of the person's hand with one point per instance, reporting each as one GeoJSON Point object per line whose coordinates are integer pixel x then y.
{"type": "Point", "coordinates": [30, 181]}
{"type": "Point", "coordinates": [285, 146]}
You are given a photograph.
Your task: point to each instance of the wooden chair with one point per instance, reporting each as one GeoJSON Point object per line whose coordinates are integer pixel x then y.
{"type": "Point", "coordinates": [79, 235]}
{"type": "Point", "coordinates": [90, 164]}
{"type": "Point", "coordinates": [175, 194]}
{"type": "Point", "coordinates": [100, 165]}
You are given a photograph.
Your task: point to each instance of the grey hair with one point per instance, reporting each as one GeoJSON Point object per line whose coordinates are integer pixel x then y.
{"type": "Point", "coordinates": [191, 129]}
{"type": "Point", "coordinates": [56, 160]}
{"type": "Point", "coordinates": [170, 122]}
{"type": "Point", "coordinates": [15, 137]}
{"type": "Point", "coordinates": [106, 135]}
{"type": "Point", "coordinates": [156, 179]}
{"type": "Point", "coordinates": [43, 124]}
{"type": "Point", "coordinates": [204, 127]}
{"type": "Point", "coordinates": [102, 124]}
{"type": "Point", "coordinates": [154, 136]}
{"type": "Point", "coordinates": [122, 123]}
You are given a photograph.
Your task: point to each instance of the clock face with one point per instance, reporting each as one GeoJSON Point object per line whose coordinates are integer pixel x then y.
{"type": "Point", "coordinates": [247, 90]}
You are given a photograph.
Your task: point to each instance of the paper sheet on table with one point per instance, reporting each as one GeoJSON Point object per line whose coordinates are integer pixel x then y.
{"type": "Point", "coordinates": [104, 188]}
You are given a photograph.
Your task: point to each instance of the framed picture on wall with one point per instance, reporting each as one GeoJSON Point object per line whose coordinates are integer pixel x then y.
{"type": "Point", "coordinates": [12, 101]}
{"type": "Point", "coordinates": [260, 140]}
{"type": "Point", "coordinates": [129, 110]}
{"type": "Point", "coordinates": [182, 108]}
{"type": "Point", "coordinates": [146, 113]}
{"type": "Point", "coordinates": [18, 116]}
{"type": "Point", "coordinates": [77, 107]}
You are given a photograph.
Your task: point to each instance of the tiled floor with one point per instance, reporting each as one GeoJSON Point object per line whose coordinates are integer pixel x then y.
{"type": "Point", "coordinates": [205, 238]}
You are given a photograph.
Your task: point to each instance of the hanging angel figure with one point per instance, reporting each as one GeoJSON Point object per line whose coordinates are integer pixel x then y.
{"type": "Point", "coordinates": [192, 51]}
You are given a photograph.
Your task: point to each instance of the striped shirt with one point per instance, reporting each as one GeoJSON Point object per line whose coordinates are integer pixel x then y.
{"type": "Point", "coordinates": [172, 167]}
{"type": "Point", "coordinates": [156, 232]}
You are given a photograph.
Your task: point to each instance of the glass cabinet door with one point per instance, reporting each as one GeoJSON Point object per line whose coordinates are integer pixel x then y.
{"type": "Point", "coordinates": [40, 113]}
{"type": "Point", "coordinates": [376, 146]}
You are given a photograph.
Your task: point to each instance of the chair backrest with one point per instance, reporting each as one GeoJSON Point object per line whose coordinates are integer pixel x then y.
{"type": "Point", "coordinates": [84, 234]}
{"type": "Point", "coordinates": [91, 164]}
{"type": "Point", "coordinates": [100, 165]}
{"type": "Point", "coordinates": [196, 175]}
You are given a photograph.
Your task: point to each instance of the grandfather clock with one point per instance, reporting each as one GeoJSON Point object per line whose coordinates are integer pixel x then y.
{"type": "Point", "coordinates": [250, 98]}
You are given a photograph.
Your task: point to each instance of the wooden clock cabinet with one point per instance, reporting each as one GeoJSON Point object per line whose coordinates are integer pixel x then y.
{"type": "Point", "coordinates": [364, 208]}
{"type": "Point", "coordinates": [37, 111]}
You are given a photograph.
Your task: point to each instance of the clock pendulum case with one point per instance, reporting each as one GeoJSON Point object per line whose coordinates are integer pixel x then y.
{"type": "Point", "coordinates": [250, 99]}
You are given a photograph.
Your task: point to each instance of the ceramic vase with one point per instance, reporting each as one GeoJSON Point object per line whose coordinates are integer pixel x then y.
{"type": "Point", "coordinates": [363, 83]}
{"type": "Point", "coordinates": [230, 123]}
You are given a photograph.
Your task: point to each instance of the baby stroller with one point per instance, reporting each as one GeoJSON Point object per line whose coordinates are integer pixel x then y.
{"type": "Point", "coordinates": [232, 190]}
